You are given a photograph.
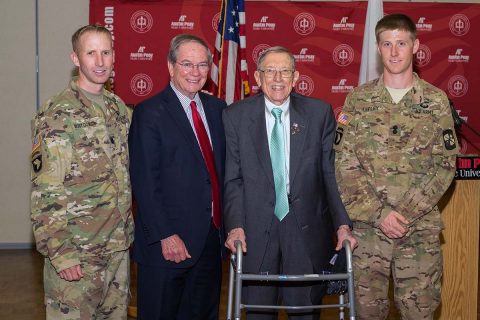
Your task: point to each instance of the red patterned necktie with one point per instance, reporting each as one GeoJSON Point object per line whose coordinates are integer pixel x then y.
{"type": "Point", "coordinates": [207, 152]}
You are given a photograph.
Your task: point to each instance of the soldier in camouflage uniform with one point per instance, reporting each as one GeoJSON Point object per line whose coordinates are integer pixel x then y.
{"type": "Point", "coordinates": [81, 198]}
{"type": "Point", "coordinates": [396, 150]}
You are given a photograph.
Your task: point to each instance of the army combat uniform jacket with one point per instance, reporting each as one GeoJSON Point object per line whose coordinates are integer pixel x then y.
{"type": "Point", "coordinates": [81, 197]}
{"type": "Point", "coordinates": [395, 157]}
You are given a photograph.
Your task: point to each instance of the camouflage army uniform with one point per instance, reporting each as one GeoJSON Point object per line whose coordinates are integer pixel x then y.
{"type": "Point", "coordinates": [81, 203]}
{"type": "Point", "coordinates": [396, 157]}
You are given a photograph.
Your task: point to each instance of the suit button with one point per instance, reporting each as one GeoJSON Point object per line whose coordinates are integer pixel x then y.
{"type": "Point", "coordinates": [208, 181]}
{"type": "Point", "coordinates": [209, 209]}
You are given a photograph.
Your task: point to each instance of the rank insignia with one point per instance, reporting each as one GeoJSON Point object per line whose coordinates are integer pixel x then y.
{"type": "Point", "coordinates": [344, 118]}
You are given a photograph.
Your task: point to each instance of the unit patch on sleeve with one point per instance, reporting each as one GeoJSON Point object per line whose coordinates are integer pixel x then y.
{"type": "Point", "coordinates": [339, 137]}
{"type": "Point", "coordinates": [449, 139]}
{"type": "Point", "coordinates": [37, 162]}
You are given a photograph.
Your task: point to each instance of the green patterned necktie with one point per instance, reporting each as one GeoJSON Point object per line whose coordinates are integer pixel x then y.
{"type": "Point", "coordinates": [277, 154]}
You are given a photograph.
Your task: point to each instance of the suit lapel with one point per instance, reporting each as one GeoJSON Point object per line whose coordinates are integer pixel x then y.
{"type": "Point", "coordinates": [258, 133]}
{"type": "Point", "coordinates": [178, 115]}
{"type": "Point", "coordinates": [298, 132]}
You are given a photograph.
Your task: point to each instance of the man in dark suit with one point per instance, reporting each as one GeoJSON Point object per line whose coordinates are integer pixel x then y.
{"type": "Point", "coordinates": [281, 197]}
{"type": "Point", "coordinates": [177, 150]}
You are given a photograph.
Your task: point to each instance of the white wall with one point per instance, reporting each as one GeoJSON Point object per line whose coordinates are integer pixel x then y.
{"type": "Point", "coordinates": [58, 19]}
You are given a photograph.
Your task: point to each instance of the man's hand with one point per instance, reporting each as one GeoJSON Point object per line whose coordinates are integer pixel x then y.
{"type": "Point", "coordinates": [173, 249]}
{"type": "Point", "coordinates": [71, 274]}
{"type": "Point", "coordinates": [234, 235]}
{"type": "Point", "coordinates": [344, 233]}
{"type": "Point", "coordinates": [394, 225]}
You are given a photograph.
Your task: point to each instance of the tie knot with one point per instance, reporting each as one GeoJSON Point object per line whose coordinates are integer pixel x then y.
{"type": "Point", "coordinates": [193, 104]}
{"type": "Point", "coordinates": [277, 113]}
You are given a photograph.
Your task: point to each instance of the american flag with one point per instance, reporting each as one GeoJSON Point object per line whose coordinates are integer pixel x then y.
{"type": "Point", "coordinates": [229, 69]}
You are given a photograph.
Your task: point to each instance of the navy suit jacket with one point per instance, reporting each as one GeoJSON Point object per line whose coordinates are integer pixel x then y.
{"type": "Point", "coordinates": [169, 177]}
{"type": "Point", "coordinates": [249, 187]}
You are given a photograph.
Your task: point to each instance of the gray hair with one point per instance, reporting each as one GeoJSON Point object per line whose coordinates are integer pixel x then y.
{"type": "Point", "coordinates": [276, 49]}
{"type": "Point", "coordinates": [180, 39]}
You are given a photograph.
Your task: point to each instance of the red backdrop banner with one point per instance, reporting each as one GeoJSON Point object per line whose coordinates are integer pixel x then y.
{"type": "Point", "coordinates": [325, 37]}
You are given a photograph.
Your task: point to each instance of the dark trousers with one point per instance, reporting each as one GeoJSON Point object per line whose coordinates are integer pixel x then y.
{"type": "Point", "coordinates": [285, 254]}
{"type": "Point", "coordinates": [182, 293]}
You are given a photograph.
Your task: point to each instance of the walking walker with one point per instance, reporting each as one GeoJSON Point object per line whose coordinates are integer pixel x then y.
{"type": "Point", "coordinates": [338, 284]}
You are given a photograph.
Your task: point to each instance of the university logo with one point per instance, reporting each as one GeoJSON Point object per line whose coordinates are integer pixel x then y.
{"type": "Point", "coordinates": [303, 56]}
{"type": "Point", "coordinates": [457, 86]}
{"type": "Point", "coordinates": [141, 21]}
{"type": "Point", "coordinates": [304, 23]}
{"type": "Point", "coordinates": [341, 87]}
{"type": "Point", "coordinates": [423, 56]}
{"type": "Point", "coordinates": [458, 56]}
{"type": "Point", "coordinates": [141, 84]}
{"type": "Point", "coordinates": [459, 25]}
{"type": "Point", "coordinates": [343, 55]}
{"type": "Point", "coordinates": [141, 55]}
{"type": "Point", "coordinates": [257, 51]}
{"type": "Point", "coordinates": [215, 20]}
{"type": "Point", "coordinates": [182, 23]}
{"type": "Point", "coordinates": [343, 25]}
{"type": "Point", "coordinates": [264, 25]}
{"type": "Point", "coordinates": [304, 85]}
{"type": "Point", "coordinates": [422, 26]}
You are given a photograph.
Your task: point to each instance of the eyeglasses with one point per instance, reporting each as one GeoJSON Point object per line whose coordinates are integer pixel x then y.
{"type": "Point", "coordinates": [271, 73]}
{"type": "Point", "coordinates": [188, 66]}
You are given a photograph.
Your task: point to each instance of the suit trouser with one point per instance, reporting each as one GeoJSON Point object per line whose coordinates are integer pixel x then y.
{"type": "Point", "coordinates": [182, 293]}
{"type": "Point", "coordinates": [415, 262]}
{"type": "Point", "coordinates": [285, 254]}
{"type": "Point", "coordinates": [102, 293]}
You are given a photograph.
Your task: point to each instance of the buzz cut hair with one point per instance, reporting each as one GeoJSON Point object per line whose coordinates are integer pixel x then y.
{"type": "Point", "coordinates": [85, 29]}
{"type": "Point", "coordinates": [396, 21]}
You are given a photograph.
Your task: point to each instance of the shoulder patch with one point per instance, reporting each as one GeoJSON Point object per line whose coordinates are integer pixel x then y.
{"type": "Point", "coordinates": [36, 162]}
{"type": "Point", "coordinates": [344, 118]}
{"type": "Point", "coordinates": [449, 140]}
{"type": "Point", "coordinates": [339, 134]}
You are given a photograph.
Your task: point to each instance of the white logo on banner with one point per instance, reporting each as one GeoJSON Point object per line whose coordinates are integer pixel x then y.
{"type": "Point", "coordinates": [264, 24]}
{"type": "Point", "coordinates": [458, 86]}
{"type": "Point", "coordinates": [343, 25]}
{"type": "Point", "coordinates": [459, 25]}
{"type": "Point", "coordinates": [141, 21]}
{"type": "Point", "coordinates": [303, 56]}
{"type": "Point", "coordinates": [341, 87]}
{"type": "Point", "coordinates": [141, 84]}
{"type": "Point", "coordinates": [182, 23]}
{"type": "Point", "coordinates": [304, 23]}
{"type": "Point", "coordinates": [141, 55]}
{"type": "Point", "coordinates": [343, 55]}
{"type": "Point", "coordinates": [304, 85]}
{"type": "Point", "coordinates": [458, 56]}
{"type": "Point", "coordinates": [215, 20]}
{"type": "Point", "coordinates": [423, 56]}
{"type": "Point", "coordinates": [257, 51]}
{"type": "Point", "coordinates": [422, 26]}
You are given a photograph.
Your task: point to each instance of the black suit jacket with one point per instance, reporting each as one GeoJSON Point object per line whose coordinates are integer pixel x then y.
{"type": "Point", "coordinates": [169, 177]}
{"type": "Point", "coordinates": [249, 187]}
